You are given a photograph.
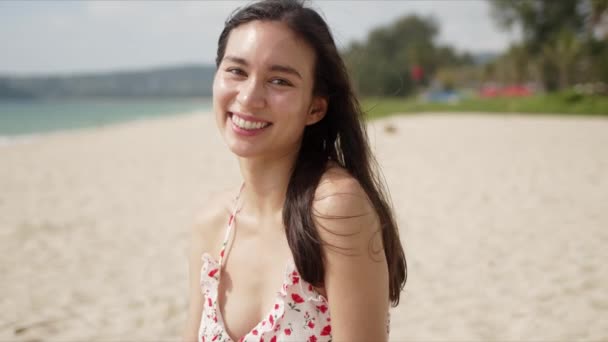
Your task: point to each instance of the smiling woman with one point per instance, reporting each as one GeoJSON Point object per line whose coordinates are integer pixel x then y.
{"type": "Point", "coordinates": [311, 198]}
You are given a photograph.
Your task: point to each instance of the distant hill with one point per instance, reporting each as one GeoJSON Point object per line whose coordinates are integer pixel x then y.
{"type": "Point", "coordinates": [178, 81]}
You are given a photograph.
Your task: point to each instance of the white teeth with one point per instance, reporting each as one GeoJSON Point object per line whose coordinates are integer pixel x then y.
{"type": "Point", "coordinates": [244, 124]}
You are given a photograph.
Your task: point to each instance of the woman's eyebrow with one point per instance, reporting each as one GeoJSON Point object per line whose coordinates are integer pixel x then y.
{"type": "Point", "coordinates": [275, 67]}
{"type": "Point", "coordinates": [286, 69]}
{"type": "Point", "coordinates": [236, 60]}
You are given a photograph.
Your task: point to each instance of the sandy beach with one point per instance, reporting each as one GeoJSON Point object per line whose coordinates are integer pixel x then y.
{"type": "Point", "coordinates": [504, 219]}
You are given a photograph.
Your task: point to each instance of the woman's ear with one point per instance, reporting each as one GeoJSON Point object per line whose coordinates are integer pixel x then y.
{"type": "Point", "coordinates": [317, 110]}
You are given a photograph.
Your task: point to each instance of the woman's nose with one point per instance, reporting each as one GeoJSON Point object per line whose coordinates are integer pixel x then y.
{"type": "Point", "coordinates": [251, 94]}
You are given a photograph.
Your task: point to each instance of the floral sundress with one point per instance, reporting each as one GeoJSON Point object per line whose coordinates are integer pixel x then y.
{"type": "Point", "coordinates": [299, 314]}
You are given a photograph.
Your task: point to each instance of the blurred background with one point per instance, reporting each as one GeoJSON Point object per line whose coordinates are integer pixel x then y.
{"type": "Point", "coordinates": [497, 164]}
{"type": "Point", "coordinates": [527, 56]}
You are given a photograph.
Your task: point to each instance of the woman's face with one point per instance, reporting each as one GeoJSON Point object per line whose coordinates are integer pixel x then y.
{"type": "Point", "coordinates": [262, 91]}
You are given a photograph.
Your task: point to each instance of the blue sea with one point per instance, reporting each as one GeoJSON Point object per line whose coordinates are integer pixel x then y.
{"type": "Point", "coordinates": [19, 119]}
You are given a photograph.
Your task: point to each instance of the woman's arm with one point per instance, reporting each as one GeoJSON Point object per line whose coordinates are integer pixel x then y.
{"type": "Point", "coordinates": [356, 271]}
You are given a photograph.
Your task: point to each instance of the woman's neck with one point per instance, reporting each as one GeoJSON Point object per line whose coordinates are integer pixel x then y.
{"type": "Point", "coordinates": [265, 184]}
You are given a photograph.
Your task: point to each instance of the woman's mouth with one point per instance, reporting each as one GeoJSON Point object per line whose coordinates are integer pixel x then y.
{"type": "Point", "coordinates": [247, 126]}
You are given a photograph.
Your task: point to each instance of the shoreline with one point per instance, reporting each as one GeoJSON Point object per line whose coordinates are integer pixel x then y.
{"type": "Point", "coordinates": [17, 139]}
{"type": "Point", "coordinates": [8, 140]}
{"type": "Point", "coordinates": [31, 119]}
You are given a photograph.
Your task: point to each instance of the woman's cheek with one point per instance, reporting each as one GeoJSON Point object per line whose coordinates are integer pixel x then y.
{"type": "Point", "coordinates": [219, 87]}
{"type": "Point", "coordinates": [220, 101]}
{"type": "Point", "coordinates": [287, 102]}
{"type": "Point", "coordinates": [223, 95]}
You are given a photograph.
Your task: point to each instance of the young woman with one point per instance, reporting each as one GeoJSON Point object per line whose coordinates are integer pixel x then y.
{"type": "Point", "coordinates": [309, 249]}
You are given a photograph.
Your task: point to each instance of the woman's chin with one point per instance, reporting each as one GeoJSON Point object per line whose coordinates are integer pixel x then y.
{"type": "Point", "coordinates": [243, 151]}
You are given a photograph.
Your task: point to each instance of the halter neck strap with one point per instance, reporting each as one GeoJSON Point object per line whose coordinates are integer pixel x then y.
{"type": "Point", "coordinates": [231, 223]}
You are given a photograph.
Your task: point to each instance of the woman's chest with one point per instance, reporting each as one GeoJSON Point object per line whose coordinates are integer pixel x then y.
{"type": "Point", "coordinates": [251, 280]}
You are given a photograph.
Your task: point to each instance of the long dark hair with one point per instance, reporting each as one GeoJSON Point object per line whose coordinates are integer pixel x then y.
{"type": "Point", "coordinates": [340, 136]}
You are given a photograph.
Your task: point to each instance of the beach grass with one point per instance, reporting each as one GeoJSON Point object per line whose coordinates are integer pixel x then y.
{"type": "Point", "coordinates": [566, 103]}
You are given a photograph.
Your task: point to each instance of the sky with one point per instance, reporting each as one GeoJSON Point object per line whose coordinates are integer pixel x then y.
{"type": "Point", "coordinates": [66, 37]}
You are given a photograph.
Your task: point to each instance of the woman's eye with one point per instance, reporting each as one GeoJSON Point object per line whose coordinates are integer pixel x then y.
{"type": "Point", "coordinates": [279, 81]}
{"type": "Point", "coordinates": [236, 71]}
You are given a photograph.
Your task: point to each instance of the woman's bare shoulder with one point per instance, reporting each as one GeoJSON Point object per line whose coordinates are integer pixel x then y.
{"type": "Point", "coordinates": [341, 205]}
{"type": "Point", "coordinates": [337, 184]}
{"type": "Point", "coordinates": [210, 220]}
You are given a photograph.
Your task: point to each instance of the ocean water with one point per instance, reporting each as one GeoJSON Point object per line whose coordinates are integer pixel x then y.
{"type": "Point", "coordinates": [26, 119]}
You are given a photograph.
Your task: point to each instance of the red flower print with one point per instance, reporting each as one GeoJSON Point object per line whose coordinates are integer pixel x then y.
{"type": "Point", "coordinates": [326, 330]}
{"type": "Point", "coordinates": [312, 338]}
{"type": "Point", "coordinates": [230, 220]}
{"type": "Point", "coordinates": [276, 306]}
{"type": "Point", "coordinates": [255, 331]}
{"type": "Point", "coordinates": [322, 308]}
{"type": "Point", "coordinates": [209, 302]}
{"type": "Point", "coordinates": [296, 298]}
{"type": "Point", "coordinates": [261, 339]}
{"type": "Point", "coordinates": [287, 331]}
{"type": "Point", "coordinates": [273, 339]}
{"type": "Point", "coordinates": [213, 272]}
{"type": "Point", "coordinates": [311, 324]}
{"type": "Point", "coordinates": [202, 338]}
{"type": "Point", "coordinates": [214, 338]}
{"type": "Point", "coordinates": [309, 287]}
{"type": "Point", "coordinates": [271, 319]}
{"type": "Point", "coordinates": [222, 253]}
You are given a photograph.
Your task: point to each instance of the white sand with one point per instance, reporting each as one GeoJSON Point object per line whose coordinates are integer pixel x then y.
{"type": "Point", "coordinates": [504, 220]}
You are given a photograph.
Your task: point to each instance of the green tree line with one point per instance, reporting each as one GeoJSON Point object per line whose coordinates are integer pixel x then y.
{"type": "Point", "coordinates": [382, 64]}
{"type": "Point", "coordinates": [564, 42]}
